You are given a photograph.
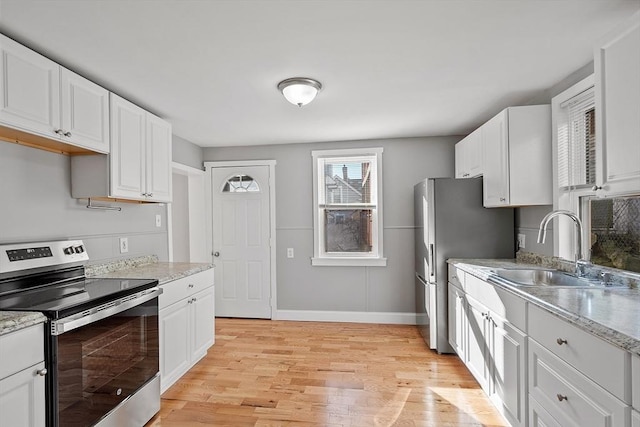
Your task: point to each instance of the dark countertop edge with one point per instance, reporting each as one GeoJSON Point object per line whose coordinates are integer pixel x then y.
{"type": "Point", "coordinates": [481, 269]}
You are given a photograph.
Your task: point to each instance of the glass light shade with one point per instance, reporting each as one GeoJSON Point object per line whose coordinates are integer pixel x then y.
{"type": "Point", "coordinates": [299, 91]}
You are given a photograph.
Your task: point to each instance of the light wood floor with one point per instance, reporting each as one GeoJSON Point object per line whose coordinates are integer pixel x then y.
{"type": "Point", "coordinates": [279, 373]}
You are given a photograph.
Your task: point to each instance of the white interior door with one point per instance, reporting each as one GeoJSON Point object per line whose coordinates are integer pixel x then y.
{"type": "Point", "coordinates": [241, 241]}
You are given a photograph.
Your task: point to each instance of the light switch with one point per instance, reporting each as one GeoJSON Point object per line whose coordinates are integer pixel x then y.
{"type": "Point", "coordinates": [158, 220]}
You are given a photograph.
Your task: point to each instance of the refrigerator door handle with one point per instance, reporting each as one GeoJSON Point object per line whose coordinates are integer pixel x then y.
{"type": "Point", "coordinates": [432, 267]}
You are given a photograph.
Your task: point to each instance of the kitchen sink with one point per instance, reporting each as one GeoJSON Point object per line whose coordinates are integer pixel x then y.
{"type": "Point", "coordinates": [542, 277]}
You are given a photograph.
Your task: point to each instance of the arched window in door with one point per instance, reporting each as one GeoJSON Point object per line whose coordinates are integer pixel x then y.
{"type": "Point", "coordinates": [241, 184]}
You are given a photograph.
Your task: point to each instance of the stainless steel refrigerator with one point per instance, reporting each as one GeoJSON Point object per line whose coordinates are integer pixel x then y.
{"type": "Point", "coordinates": [450, 222]}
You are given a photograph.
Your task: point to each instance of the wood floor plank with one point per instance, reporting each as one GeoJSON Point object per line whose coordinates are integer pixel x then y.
{"type": "Point", "coordinates": [264, 373]}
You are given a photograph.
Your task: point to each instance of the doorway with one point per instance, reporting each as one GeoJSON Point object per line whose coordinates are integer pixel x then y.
{"type": "Point", "coordinates": [243, 237]}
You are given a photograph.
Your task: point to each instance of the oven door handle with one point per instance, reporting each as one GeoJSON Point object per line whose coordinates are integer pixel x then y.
{"type": "Point", "coordinates": [75, 321]}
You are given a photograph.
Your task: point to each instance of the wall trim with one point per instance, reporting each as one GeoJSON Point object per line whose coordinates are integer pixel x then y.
{"type": "Point", "coordinates": [347, 316]}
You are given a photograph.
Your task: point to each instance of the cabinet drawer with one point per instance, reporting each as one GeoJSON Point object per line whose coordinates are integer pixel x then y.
{"type": "Point", "coordinates": [539, 417]}
{"type": "Point", "coordinates": [570, 397]}
{"type": "Point", "coordinates": [21, 349]}
{"type": "Point", "coordinates": [178, 289]}
{"type": "Point", "coordinates": [607, 365]}
{"type": "Point", "coordinates": [499, 301]}
{"type": "Point", "coordinates": [456, 276]}
{"type": "Point", "coordinates": [635, 381]}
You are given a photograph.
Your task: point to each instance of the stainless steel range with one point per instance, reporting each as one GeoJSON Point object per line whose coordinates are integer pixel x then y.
{"type": "Point", "coordinates": [101, 340]}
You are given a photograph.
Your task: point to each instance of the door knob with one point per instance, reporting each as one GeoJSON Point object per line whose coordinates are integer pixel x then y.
{"type": "Point", "coordinates": [216, 254]}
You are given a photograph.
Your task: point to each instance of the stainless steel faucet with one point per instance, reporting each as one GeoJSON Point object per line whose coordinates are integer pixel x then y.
{"type": "Point", "coordinates": [542, 233]}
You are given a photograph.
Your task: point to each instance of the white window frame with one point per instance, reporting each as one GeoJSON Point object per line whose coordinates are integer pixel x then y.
{"type": "Point", "coordinates": [320, 256]}
{"type": "Point", "coordinates": [571, 198]}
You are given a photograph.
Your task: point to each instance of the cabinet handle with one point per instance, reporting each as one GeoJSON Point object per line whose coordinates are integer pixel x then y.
{"type": "Point", "coordinates": [561, 397]}
{"type": "Point", "coordinates": [150, 194]}
{"type": "Point", "coordinates": [67, 134]}
{"type": "Point", "coordinates": [502, 199]}
{"type": "Point", "coordinates": [58, 131]}
{"type": "Point", "coordinates": [596, 188]}
{"type": "Point", "coordinates": [195, 299]}
{"type": "Point", "coordinates": [190, 301]}
{"type": "Point", "coordinates": [561, 341]}
{"type": "Point", "coordinates": [42, 372]}
{"type": "Point", "coordinates": [191, 285]}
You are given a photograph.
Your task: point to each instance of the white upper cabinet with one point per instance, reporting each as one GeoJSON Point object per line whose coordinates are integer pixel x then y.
{"type": "Point", "coordinates": [128, 149]}
{"type": "Point", "coordinates": [617, 71]}
{"type": "Point", "coordinates": [139, 165]}
{"type": "Point", "coordinates": [85, 112]}
{"type": "Point", "coordinates": [469, 156]}
{"type": "Point", "coordinates": [158, 167]}
{"type": "Point", "coordinates": [40, 97]}
{"type": "Point", "coordinates": [517, 157]}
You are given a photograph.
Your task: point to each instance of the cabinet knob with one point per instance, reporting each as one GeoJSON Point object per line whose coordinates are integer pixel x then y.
{"type": "Point", "coordinates": [561, 397]}
{"type": "Point", "coordinates": [216, 254]}
{"type": "Point", "coordinates": [596, 188]}
{"type": "Point", "coordinates": [67, 134]}
{"type": "Point", "coordinates": [561, 341]}
{"type": "Point", "coordinates": [191, 285]}
{"type": "Point", "coordinates": [42, 372]}
{"type": "Point", "coordinates": [502, 199]}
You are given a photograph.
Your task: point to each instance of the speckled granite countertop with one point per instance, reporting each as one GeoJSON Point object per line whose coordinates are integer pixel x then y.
{"type": "Point", "coordinates": [612, 314]}
{"type": "Point", "coordinates": [13, 320]}
{"type": "Point", "coordinates": [146, 267]}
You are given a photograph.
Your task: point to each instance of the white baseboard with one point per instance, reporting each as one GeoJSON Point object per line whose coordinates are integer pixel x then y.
{"type": "Point", "coordinates": [346, 316]}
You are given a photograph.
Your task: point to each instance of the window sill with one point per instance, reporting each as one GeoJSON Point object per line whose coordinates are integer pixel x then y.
{"type": "Point", "coordinates": [349, 262]}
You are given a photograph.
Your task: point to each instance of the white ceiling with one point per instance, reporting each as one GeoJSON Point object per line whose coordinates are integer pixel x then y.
{"type": "Point", "coordinates": [390, 68]}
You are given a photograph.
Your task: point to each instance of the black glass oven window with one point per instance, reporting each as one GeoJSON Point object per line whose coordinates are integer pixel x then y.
{"type": "Point", "coordinates": [101, 364]}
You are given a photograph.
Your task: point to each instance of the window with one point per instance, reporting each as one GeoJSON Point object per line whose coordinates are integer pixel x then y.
{"type": "Point", "coordinates": [614, 225]}
{"type": "Point", "coordinates": [347, 201]}
{"type": "Point", "coordinates": [577, 141]}
{"type": "Point", "coordinates": [240, 184]}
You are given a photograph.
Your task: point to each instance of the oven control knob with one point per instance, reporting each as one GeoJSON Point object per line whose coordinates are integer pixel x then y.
{"type": "Point", "coordinates": [79, 249]}
{"type": "Point", "coordinates": [68, 251]}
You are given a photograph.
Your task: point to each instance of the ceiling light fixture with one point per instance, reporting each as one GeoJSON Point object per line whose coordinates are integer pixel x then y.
{"type": "Point", "coordinates": [299, 90]}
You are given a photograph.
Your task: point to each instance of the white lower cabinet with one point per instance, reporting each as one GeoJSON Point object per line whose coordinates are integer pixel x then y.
{"type": "Point", "coordinates": [457, 320]}
{"type": "Point", "coordinates": [186, 325]}
{"type": "Point", "coordinates": [539, 417]}
{"type": "Point", "coordinates": [496, 356]}
{"type": "Point", "coordinates": [22, 378]}
{"type": "Point", "coordinates": [635, 419]}
{"type": "Point", "coordinates": [484, 328]}
{"type": "Point", "coordinates": [578, 378]}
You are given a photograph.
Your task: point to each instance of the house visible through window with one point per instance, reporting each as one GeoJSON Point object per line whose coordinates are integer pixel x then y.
{"type": "Point", "coordinates": [348, 207]}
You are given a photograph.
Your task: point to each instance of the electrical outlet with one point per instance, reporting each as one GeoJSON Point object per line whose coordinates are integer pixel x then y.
{"type": "Point", "coordinates": [158, 220]}
{"type": "Point", "coordinates": [289, 252]}
{"type": "Point", "coordinates": [124, 245]}
{"type": "Point", "coordinates": [521, 239]}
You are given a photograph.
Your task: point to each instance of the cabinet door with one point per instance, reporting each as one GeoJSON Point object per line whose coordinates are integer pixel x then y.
{"type": "Point", "coordinates": [468, 154]}
{"type": "Point", "coordinates": [29, 89]}
{"type": "Point", "coordinates": [202, 308]}
{"type": "Point", "coordinates": [476, 348]}
{"type": "Point", "coordinates": [617, 68]}
{"type": "Point", "coordinates": [174, 342]}
{"type": "Point", "coordinates": [457, 320]}
{"type": "Point", "coordinates": [127, 161]}
{"type": "Point", "coordinates": [508, 352]}
{"type": "Point", "coordinates": [635, 419]}
{"type": "Point", "coordinates": [538, 417]}
{"type": "Point", "coordinates": [22, 401]}
{"type": "Point", "coordinates": [158, 176]}
{"type": "Point", "coordinates": [496, 161]}
{"type": "Point", "coordinates": [85, 112]}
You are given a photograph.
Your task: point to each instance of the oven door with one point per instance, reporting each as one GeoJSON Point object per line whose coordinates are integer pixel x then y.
{"type": "Point", "coordinates": [100, 358]}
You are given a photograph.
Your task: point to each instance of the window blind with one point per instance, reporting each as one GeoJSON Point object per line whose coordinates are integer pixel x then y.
{"type": "Point", "coordinates": [576, 141]}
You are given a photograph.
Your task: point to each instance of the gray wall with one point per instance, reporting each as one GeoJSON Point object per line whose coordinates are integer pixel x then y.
{"type": "Point", "coordinates": [365, 289]}
{"type": "Point", "coordinates": [36, 204]}
{"type": "Point", "coordinates": [180, 218]}
{"type": "Point", "coordinates": [186, 152]}
{"type": "Point", "coordinates": [528, 218]}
